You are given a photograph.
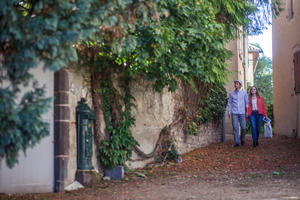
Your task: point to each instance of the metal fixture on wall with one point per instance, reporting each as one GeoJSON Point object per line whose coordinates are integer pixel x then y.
{"type": "Point", "coordinates": [84, 127]}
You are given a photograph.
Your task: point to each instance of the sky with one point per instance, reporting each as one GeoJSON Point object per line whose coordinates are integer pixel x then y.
{"type": "Point", "coordinates": [265, 41]}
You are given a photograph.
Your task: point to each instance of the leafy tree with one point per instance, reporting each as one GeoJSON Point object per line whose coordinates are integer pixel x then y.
{"type": "Point", "coordinates": [41, 31]}
{"type": "Point", "coordinates": [34, 31]}
{"type": "Point", "coordinates": [186, 41]}
{"type": "Point", "coordinates": [263, 79]}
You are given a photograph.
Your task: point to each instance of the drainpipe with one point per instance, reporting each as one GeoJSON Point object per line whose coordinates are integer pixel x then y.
{"type": "Point", "coordinates": [244, 60]}
{"type": "Point", "coordinates": [297, 118]}
{"type": "Point", "coordinates": [61, 128]}
{"type": "Point", "coordinates": [224, 125]}
{"type": "Point", "coordinates": [255, 66]}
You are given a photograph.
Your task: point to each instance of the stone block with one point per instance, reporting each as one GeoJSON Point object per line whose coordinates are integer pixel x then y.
{"type": "Point", "coordinates": [59, 186]}
{"type": "Point", "coordinates": [116, 173]}
{"type": "Point", "coordinates": [61, 113]}
{"type": "Point", "coordinates": [87, 177]}
{"type": "Point", "coordinates": [61, 80]}
{"type": "Point", "coordinates": [61, 98]}
{"type": "Point", "coordinates": [74, 186]}
{"type": "Point", "coordinates": [61, 168]}
{"type": "Point", "coordinates": [61, 138]}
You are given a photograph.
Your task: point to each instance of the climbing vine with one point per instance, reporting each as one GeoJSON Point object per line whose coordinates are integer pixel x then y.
{"type": "Point", "coordinates": [117, 149]}
{"type": "Point", "coordinates": [182, 40]}
{"type": "Point", "coordinates": [213, 105]}
{"type": "Point", "coordinates": [210, 108]}
{"type": "Point", "coordinates": [34, 32]}
{"type": "Point", "coordinates": [168, 149]}
{"type": "Point", "coordinates": [205, 105]}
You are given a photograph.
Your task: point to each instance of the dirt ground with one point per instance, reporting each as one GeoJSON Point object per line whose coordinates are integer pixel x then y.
{"type": "Point", "coordinates": [270, 171]}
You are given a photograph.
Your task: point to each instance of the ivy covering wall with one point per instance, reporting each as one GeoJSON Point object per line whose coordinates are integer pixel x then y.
{"type": "Point", "coordinates": [163, 40]}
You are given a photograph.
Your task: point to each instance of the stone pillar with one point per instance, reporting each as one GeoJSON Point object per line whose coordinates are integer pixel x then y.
{"type": "Point", "coordinates": [61, 128]}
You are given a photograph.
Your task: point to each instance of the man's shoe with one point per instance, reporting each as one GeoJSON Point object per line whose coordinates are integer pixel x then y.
{"type": "Point", "coordinates": [254, 144]}
{"type": "Point", "coordinates": [236, 145]}
{"type": "Point", "coordinates": [243, 143]}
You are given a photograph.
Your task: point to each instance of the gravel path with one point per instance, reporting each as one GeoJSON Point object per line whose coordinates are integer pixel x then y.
{"type": "Point", "coordinates": [217, 172]}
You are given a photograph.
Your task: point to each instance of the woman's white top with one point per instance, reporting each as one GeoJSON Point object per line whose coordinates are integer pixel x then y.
{"type": "Point", "coordinates": [254, 104]}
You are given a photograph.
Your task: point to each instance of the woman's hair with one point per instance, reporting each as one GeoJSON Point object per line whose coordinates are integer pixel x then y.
{"type": "Point", "coordinates": [257, 93]}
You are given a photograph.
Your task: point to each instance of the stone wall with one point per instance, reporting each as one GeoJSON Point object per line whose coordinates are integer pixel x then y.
{"type": "Point", "coordinates": [79, 87]}
{"type": "Point", "coordinates": [158, 110]}
{"type": "Point", "coordinates": [154, 112]}
{"type": "Point", "coordinates": [286, 42]}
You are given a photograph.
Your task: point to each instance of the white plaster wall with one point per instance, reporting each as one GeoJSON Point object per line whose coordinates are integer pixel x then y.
{"type": "Point", "coordinates": [35, 170]}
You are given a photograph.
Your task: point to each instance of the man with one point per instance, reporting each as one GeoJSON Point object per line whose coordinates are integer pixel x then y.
{"type": "Point", "coordinates": [237, 110]}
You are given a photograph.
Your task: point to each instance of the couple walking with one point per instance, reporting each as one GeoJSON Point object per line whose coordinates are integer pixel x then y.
{"type": "Point", "coordinates": [241, 106]}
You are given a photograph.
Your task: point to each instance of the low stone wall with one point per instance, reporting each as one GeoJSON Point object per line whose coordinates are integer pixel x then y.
{"type": "Point", "coordinates": [154, 112]}
{"type": "Point", "coordinates": [158, 110]}
{"type": "Point", "coordinates": [207, 134]}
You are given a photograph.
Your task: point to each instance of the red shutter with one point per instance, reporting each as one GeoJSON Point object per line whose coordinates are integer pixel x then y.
{"type": "Point", "coordinates": [297, 71]}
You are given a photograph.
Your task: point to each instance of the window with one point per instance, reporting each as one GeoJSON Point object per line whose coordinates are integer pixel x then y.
{"type": "Point", "coordinates": [296, 61]}
{"type": "Point", "coordinates": [289, 9]}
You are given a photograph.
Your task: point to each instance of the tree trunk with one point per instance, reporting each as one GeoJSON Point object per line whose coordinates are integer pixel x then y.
{"type": "Point", "coordinates": [115, 110]}
{"type": "Point", "coordinates": [96, 84]}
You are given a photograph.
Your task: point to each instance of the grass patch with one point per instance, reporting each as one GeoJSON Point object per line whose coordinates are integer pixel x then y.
{"type": "Point", "coordinates": [277, 173]}
{"type": "Point", "coordinates": [256, 176]}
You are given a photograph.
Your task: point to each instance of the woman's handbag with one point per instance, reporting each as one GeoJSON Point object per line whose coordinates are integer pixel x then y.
{"type": "Point", "coordinates": [268, 130]}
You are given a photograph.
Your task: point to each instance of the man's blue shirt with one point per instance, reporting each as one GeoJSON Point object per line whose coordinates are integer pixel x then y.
{"type": "Point", "coordinates": [238, 100]}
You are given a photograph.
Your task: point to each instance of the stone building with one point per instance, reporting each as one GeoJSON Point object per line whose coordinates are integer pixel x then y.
{"type": "Point", "coordinates": [242, 67]}
{"type": "Point", "coordinates": [286, 69]}
{"type": "Point", "coordinates": [253, 56]}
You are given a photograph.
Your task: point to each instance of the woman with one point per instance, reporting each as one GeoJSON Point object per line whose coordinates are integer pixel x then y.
{"type": "Point", "coordinates": [256, 112]}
